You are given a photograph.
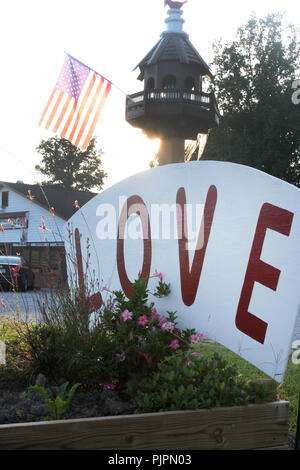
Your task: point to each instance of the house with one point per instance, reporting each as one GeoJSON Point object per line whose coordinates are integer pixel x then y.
{"type": "Point", "coordinates": [32, 220]}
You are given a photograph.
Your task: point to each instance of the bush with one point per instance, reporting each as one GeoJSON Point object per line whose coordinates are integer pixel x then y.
{"type": "Point", "coordinates": [186, 381]}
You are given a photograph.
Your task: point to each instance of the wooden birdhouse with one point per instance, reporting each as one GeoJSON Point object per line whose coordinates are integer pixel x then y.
{"type": "Point", "coordinates": [173, 106]}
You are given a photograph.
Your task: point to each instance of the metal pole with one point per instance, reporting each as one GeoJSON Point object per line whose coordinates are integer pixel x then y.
{"type": "Point", "coordinates": [93, 70]}
{"type": "Point", "coordinates": [297, 440]}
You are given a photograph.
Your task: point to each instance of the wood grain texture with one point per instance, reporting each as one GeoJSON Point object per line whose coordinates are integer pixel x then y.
{"type": "Point", "coordinates": [233, 428]}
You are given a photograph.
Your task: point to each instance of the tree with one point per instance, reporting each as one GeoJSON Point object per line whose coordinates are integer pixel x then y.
{"type": "Point", "coordinates": [259, 124]}
{"type": "Point", "coordinates": [66, 165]}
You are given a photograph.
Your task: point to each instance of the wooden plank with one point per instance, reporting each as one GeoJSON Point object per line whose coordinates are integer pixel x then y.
{"type": "Point", "coordinates": [234, 428]}
{"type": "Point", "coordinates": [285, 447]}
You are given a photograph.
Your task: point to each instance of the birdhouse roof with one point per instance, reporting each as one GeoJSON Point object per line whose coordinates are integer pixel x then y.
{"type": "Point", "coordinates": [175, 47]}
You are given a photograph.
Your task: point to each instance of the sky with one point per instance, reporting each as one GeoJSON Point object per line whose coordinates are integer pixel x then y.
{"type": "Point", "coordinates": [110, 36]}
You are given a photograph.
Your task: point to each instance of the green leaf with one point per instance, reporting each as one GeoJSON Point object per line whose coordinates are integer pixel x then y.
{"type": "Point", "coordinates": [62, 389]}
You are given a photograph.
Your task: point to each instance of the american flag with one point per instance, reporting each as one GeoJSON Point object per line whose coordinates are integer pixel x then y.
{"type": "Point", "coordinates": [75, 103]}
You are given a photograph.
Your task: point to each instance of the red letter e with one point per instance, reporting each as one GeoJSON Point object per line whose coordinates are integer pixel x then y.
{"type": "Point", "coordinates": [277, 219]}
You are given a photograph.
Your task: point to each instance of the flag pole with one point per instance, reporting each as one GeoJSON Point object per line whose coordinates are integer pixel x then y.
{"type": "Point", "coordinates": [93, 70]}
{"type": "Point", "coordinates": [297, 438]}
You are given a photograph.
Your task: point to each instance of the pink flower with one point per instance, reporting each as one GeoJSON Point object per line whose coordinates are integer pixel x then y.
{"type": "Point", "coordinates": [195, 354]}
{"type": "Point", "coordinates": [168, 326]}
{"type": "Point", "coordinates": [195, 339]}
{"type": "Point", "coordinates": [174, 344]}
{"type": "Point", "coordinates": [146, 356]}
{"type": "Point", "coordinates": [188, 362]}
{"type": "Point", "coordinates": [126, 315]}
{"type": "Point", "coordinates": [30, 196]}
{"type": "Point", "coordinates": [142, 320]}
{"type": "Point", "coordinates": [162, 320]}
{"type": "Point", "coordinates": [109, 386]}
{"type": "Point", "coordinates": [2, 303]}
{"type": "Point", "coordinates": [14, 271]}
{"type": "Point", "coordinates": [121, 357]}
{"type": "Point", "coordinates": [157, 274]}
{"type": "Point", "coordinates": [43, 226]}
{"type": "Point", "coordinates": [154, 314]}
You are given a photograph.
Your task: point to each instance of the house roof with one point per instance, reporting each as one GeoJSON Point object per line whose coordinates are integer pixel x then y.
{"type": "Point", "coordinates": [61, 199]}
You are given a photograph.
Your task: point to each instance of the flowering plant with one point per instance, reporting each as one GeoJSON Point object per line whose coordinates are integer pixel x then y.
{"type": "Point", "coordinates": [106, 344]}
{"type": "Point", "coordinates": [142, 336]}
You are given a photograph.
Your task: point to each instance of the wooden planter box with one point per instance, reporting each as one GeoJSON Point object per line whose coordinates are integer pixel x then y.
{"type": "Point", "coordinates": [242, 427]}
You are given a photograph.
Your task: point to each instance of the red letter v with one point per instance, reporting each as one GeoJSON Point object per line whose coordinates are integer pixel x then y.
{"type": "Point", "coordinates": [190, 278]}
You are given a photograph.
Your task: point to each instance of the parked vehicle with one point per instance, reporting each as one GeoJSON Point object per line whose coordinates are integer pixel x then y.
{"type": "Point", "coordinates": [15, 273]}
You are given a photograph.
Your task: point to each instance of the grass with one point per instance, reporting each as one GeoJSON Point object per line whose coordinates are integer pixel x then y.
{"type": "Point", "coordinates": [289, 390]}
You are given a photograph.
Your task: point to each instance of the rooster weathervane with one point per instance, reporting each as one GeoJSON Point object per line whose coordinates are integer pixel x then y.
{"type": "Point", "coordinates": [172, 4]}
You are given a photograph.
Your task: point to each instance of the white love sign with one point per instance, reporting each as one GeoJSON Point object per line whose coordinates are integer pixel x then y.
{"type": "Point", "coordinates": [225, 236]}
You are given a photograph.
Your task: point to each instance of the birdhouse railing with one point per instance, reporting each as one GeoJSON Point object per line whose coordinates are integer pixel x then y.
{"type": "Point", "coordinates": [151, 104]}
{"type": "Point", "coordinates": [170, 95]}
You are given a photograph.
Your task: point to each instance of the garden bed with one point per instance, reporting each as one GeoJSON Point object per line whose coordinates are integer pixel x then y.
{"type": "Point", "coordinates": [263, 426]}
{"type": "Point", "coordinates": [141, 383]}
{"type": "Point", "coordinates": [15, 409]}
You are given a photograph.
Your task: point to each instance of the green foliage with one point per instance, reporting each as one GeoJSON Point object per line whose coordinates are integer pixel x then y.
{"type": "Point", "coordinates": [63, 344]}
{"type": "Point", "coordinates": [259, 126]}
{"type": "Point", "coordinates": [162, 290]}
{"type": "Point", "coordinates": [122, 339]}
{"type": "Point", "coordinates": [66, 165]}
{"type": "Point", "coordinates": [289, 390]}
{"type": "Point", "coordinates": [185, 381]}
{"type": "Point", "coordinates": [262, 392]}
{"type": "Point", "coordinates": [58, 406]}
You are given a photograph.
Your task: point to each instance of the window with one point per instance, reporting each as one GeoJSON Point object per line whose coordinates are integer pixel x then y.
{"type": "Point", "coordinates": [206, 83]}
{"type": "Point", "coordinates": [189, 83]}
{"type": "Point", "coordinates": [4, 199]}
{"type": "Point", "coordinates": [169, 81]}
{"type": "Point", "coordinates": [150, 84]}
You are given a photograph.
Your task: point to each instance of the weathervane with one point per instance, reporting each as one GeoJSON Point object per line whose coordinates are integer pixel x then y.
{"type": "Point", "coordinates": [176, 5]}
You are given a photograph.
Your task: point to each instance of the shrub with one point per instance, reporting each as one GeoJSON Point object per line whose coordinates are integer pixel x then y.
{"type": "Point", "coordinates": [189, 380]}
